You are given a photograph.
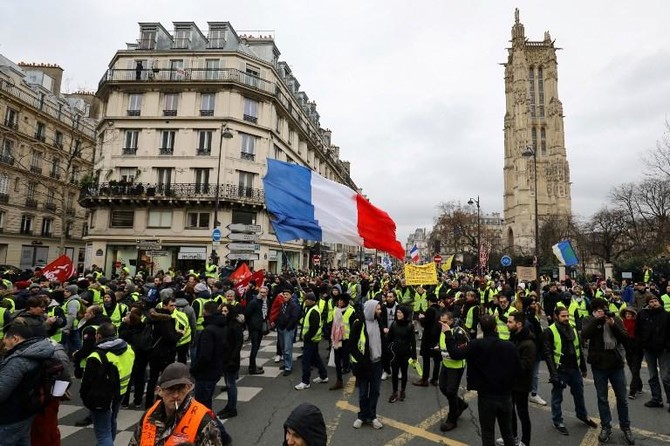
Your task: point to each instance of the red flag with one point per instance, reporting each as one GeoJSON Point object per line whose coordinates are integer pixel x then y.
{"type": "Point", "coordinates": [258, 277]}
{"type": "Point", "coordinates": [60, 269]}
{"type": "Point", "coordinates": [242, 272]}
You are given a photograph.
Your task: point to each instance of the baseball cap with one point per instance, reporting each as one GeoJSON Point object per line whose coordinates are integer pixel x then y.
{"type": "Point", "coordinates": [174, 374]}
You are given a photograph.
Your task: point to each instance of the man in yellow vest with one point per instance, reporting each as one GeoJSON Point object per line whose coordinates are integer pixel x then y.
{"type": "Point", "coordinates": [502, 311]}
{"type": "Point", "coordinates": [311, 335]}
{"type": "Point", "coordinates": [177, 418]}
{"type": "Point", "coordinates": [567, 367]}
{"type": "Point", "coordinates": [451, 372]}
{"type": "Point", "coordinates": [103, 402]}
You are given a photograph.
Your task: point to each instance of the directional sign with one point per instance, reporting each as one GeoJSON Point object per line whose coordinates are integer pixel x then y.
{"type": "Point", "coordinates": [242, 237]}
{"type": "Point", "coordinates": [152, 244]}
{"type": "Point", "coordinates": [242, 256]}
{"type": "Point", "coordinates": [242, 246]}
{"type": "Point", "coordinates": [216, 235]}
{"type": "Point", "coordinates": [239, 227]}
{"type": "Point", "coordinates": [505, 260]}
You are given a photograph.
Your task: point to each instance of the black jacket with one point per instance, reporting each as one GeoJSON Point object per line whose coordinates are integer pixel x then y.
{"type": "Point", "coordinates": [234, 338]}
{"type": "Point", "coordinates": [288, 318]}
{"type": "Point", "coordinates": [88, 331]}
{"type": "Point", "coordinates": [362, 368]}
{"type": "Point", "coordinates": [401, 339]}
{"type": "Point", "coordinates": [208, 364]}
{"type": "Point", "coordinates": [164, 337]}
{"type": "Point", "coordinates": [307, 421]}
{"type": "Point", "coordinates": [598, 356]}
{"type": "Point", "coordinates": [431, 330]}
{"type": "Point", "coordinates": [116, 346]}
{"type": "Point", "coordinates": [254, 314]}
{"type": "Point", "coordinates": [568, 352]}
{"type": "Point", "coordinates": [525, 344]}
{"type": "Point", "coordinates": [652, 328]}
{"type": "Point", "coordinates": [493, 363]}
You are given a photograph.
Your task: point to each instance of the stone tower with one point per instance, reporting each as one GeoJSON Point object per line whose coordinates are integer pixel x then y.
{"type": "Point", "coordinates": [533, 118]}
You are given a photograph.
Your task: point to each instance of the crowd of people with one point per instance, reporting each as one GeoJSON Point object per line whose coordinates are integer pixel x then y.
{"type": "Point", "coordinates": [187, 331]}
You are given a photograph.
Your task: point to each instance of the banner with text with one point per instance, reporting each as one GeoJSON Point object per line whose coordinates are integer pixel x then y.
{"type": "Point", "coordinates": [421, 274]}
{"type": "Point", "coordinates": [525, 273]}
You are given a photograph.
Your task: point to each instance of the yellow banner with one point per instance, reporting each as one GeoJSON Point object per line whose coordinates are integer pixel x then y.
{"type": "Point", "coordinates": [446, 265]}
{"type": "Point", "coordinates": [421, 274]}
{"type": "Point", "coordinates": [525, 273]}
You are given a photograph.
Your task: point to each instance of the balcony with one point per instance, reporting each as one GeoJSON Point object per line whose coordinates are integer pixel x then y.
{"type": "Point", "coordinates": [129, 151]}
{"type": "Point", "coordinates": [203, 152]}
{"type": "Point", "coordinates": [36, 169]}
{"type": "Point", "coordinates": [250, 118]}
{"type": "Point", "coordinates": [50, 206]}
{"type": "Point", "coordinates": [134, 112]}
{"type": "Point", "coordinates": [12, 124]}
{"type": "Point", "coordinates": [247, 156]}
{"type": "Point", "coordinates": [7, 159]}
{"type": "Point", "coordinates": [26, 231]}
{"type": "Point", "coordinates": [40, 137]}
{"type": "Point", "coordinates": [31, 203]}
{"type": "Point", "coordinates": [54, 175]}
{"type": "Point", "coordinates": [46, 234]}
{"type": "Point", "coordinates": [70, 211]}
{"type": "Point", "coordinates": [169, 112]}
{"type": "Point", "coordinates": [177, 194]}
{"type": "Point", "coordinates": [206, 112]}
{"type": "Point", "coordinates": [4, 198]}
{"type": "Point", "coordinates": [166, 151]}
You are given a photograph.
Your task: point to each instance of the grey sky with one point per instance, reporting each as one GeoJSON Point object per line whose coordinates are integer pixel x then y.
{"type": "Point", "coordinates": [412, 90]}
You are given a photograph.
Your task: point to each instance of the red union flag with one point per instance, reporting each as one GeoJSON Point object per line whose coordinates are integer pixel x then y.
{"type": "Point", "coordinates": [60, 269]}
{"type": "Point", "coordinates": [242, 272]}
{"type": "Point", "coordinates": [258, 277]}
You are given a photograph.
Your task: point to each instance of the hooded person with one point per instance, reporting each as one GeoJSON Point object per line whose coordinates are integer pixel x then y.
{"type": "Point", "coordinates": [402, 345]}
{"type": "Point", "coordinates": [305, 426]}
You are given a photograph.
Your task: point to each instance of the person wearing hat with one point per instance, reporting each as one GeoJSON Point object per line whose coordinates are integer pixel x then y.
{"type": "Point", "coordinates": [634, 352]}
{"type": "Point", "coordinates": [177, 418]}
{"type": "Point", "coordinates": [287, 322]}
{"type": "Point", "coordinates": [311, 335]}
{"type": "Point", "coordinates": [305, 427]}
{"type": "Point", "coordinates": [653, 330]}
{"type": "Point", "coordinates": [343, 316]}
{"type": "Point", "coordinates": [72, 308]}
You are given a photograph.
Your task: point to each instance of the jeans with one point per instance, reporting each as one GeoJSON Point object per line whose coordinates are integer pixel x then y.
{"type": "Point", "coordinates": [72, 341]}
{"type": "Point", "coordinates": [104, 424]}
{"type": "Point", "coordinates": [156, 367]}
{"type": "Point", "coordinates": [286, 337]}
{"type": "Point", "coordinates": [536, 376]}
{"type": "Point", "coordinates": [341, 359]}
{"type": "Point", "coordinates": [449, 381]}
{"type": "Point", "coordinates": [617, 378]}
{"type": "Point", "coordinates": [634, 355]}
{"type": "Point", "coordinates": [16, 434]}
{"type": "Point", "coordinates": [573, 378]}
{"type": "Point", "coordinates": [656, 361]}
{"type": "Point", "coordinates": [368, 392]}
{"type": "Point", "coordinates": [137, 378]}
{"type": "Point", "coordinates": [520, 410]}
{"type": "Point", "coordinates": [182, 353]}
{"type": "Point", "coordinates": [310, 355]}
{"type": "Point", "coordinates": [492, 408]}
{"type": "Point", "coordinates": [399, 364]}
{"type": "Point", "coordinates": [255, 337]}
{"type": "Point", "coordinates": [204, 391]}
{"type": "Point", "coordinates": [436, 358]}
{"type": "Point", "coordinates": [231, 384]}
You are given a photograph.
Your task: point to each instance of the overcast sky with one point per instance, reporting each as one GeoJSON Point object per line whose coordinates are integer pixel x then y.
{"type": "Point", "coordinates": [413, 91]}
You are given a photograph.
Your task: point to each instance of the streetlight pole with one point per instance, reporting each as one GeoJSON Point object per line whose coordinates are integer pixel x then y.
{"type": "Point", "coordinates": [225, 134]}
{"type": "Point", "coordinates": [530, 151]}
{"type": "Point", "coordinates": [479, 235]}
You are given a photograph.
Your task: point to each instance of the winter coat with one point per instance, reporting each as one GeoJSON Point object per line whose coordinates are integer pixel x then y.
{"type": "Point", "coordinates": [652, 328]}
{"type": "Point", "coordinates": [288, 320]}
{"type": "Point", "coordinates": [362, 366]}
{"type": "Point", "coordinates": [187, 309]}
{"type": "Point", "coordinates": [400, 338]}
{"type": "Point", "coordinates": [307, 421]}
{"type": "Point", "coordinates": [254, 314]}
{"type": "Point", "coordinates": [524, 341]}
{"type": "Point", "coordinates": [18, 372]}
{"type": "Point", "coordinates": [164, 336]}
{"type": "Point", "coordinates": [208, 364]}
{"type": "Point", "coordinates": [113, 345]}
{"type": "Point", "coordinates": [431, 330]}
{"type": "Point", "coordinates": [88, 330]}
{"type": "Point", "coordinates": [598, 356]}
{"type": "Point", "coordinates": [234, 338]}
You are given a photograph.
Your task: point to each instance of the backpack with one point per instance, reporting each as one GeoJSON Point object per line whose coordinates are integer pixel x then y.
{"type": "Point", "coordinates": [107, 384]}
{"type": "Point", "coordinates": [144, 339]}
{"type": "Point", "coordinates": [38, 394]}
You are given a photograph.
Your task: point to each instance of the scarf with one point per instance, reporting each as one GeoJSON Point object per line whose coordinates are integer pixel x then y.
{"type": "Point", "coordinates": [337, 331]}
{"type": "Point", "coordinates": [372, 330]}
{"type": "Point", "coordinates": [608, 338]}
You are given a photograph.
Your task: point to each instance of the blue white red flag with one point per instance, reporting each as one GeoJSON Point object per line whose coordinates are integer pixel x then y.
{"type": "Point", "coordinates": [414, 253]}
{"type": "Point", "coordinates": [565, 253]}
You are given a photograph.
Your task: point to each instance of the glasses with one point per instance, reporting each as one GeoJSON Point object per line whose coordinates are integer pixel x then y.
{"type": "Point", "coordinates": [179, 388]}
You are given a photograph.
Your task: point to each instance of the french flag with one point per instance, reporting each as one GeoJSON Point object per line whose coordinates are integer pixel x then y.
{"type": "Point", "coordinates": [304, 205]}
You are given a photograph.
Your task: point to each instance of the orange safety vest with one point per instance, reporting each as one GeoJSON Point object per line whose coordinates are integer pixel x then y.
{"type": "Point", "coordinates": [185, 432]}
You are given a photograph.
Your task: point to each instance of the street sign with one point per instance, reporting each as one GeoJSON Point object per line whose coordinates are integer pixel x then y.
{"type": "Point", "coordinates": [505, 260]}
{"type": "Point", "coordinates": [437, 258]}
{"type": "Point", "coordinates": [158, 253]}
{"type": "Point", "coordinates": [152, 244]}
{"type": "Point", "coordinates": [242, 246]}
{"type": "Point", "coordinates": [242, 256]}
{"type": "Point", "coordinates": [216, 235]}
{"type": "Point", "coordinates": [242, 237]}
{"type": "Point", "coordinates": [239, 227]}
{"type": "Point", "coordinates": [316, 259]}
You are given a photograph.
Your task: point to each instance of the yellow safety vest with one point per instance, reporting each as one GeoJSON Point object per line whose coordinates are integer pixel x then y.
{"type": "Point", "coordinates": [470, 318]}
{"type": "Point", "coordinates": [345, 320]}
{"type": "Point", "coordinates": [616, 309]}
{"type": "Point", "coordinates": [305, 325]}
{"type": "Point", "coordinates": [420, 302]}
{"type": "Point", "coordinates": [2, 320]}
{"type": "Point", "coordinates": [210, 270]}
{"type": "Point", "coordinates": [666, 302]}
{"type": "Point", "coordinates": [200, 318]}
{"type": "Point", "coordinates": [97, 296]}
{"type": "Point", "coordinates": [117, 315]}
{"type": "Point", "coordinates": [51, 312]}
{"type": "Point", "coordinates": [448, 362]}
{"type": "Point", "coordinates": [181, 323]}
{"type": "Point", "coordinates": [360, 345]}
{"type": "Point", "coordinates": [503, 331]}
{"type": "Point", "coordinates": [558, 345]}
{"type": "Point", "coordinates": [123, 363]}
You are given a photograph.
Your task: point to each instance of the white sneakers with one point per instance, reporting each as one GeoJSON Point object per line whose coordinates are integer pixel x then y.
{"type": "Point", "coordinates": [302, 386]}
{"type": "Point", "coordinates": [319, 380]}
{"type": "Point", "coordinates": [385, 376]}
{"type": "Point", "coordinates": [517, 442]}
{"type": "Point", "coordinates": [277, 358]}
{"type": "Point", "coordinates": [375, 423]}
{"type": "Point", "coordinates": [537, 399]}
{"type": "Point", "coordinates": [358, 423]}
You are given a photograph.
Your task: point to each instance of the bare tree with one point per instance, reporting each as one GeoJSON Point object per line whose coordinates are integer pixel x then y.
{"type": "Point", "coordinates": [607, 235]}
{"type": "Point", "coordinates": [658, 159]}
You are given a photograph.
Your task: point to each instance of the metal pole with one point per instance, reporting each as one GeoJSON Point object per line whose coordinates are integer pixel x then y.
{"type": "Point", "coordinates": [479, 239]}
{"type": "Point", "coordinates": [225, 134]}
{"type": "Point", "coordinates": [537, 225]}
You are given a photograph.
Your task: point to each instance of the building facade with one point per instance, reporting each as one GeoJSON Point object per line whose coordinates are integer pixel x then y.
{"type": "Point", "coordinates": [189, 119]}
{"type": "Point", "coordinates": [420, 238]}
{"type": "Point", "coordinates": [47, 141]}
{"type": "Point", "coordinates": [533, 119]}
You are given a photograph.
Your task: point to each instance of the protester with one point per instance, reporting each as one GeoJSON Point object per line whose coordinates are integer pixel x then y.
{"type": "Point", "coordinates": [256, 316]}
{"type": "Point", "coordinates": [431, 334]}
{"type": "Point", "coordinates": [231, 366]}
{"type": "Point", "coordinates": [634, 352]}
{"type": "Point", "coordinates": [451, 372]}
{"type": "Point", "coordinates": [207, 368]}
{"type": "Point", "coordinates": [287, 322]}
{"type": "Point", "coordinates": [163, 344]}
{"type": "Point", "coordinates": [305, 427]}
{"type": "Point", "coordinates": [311, 335]}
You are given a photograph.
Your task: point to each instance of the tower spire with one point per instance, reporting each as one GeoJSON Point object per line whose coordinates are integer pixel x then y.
{"type": "Point", "coordinates": [518, 31]}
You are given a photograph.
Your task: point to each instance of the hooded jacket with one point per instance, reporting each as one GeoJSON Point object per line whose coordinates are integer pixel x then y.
{"type": "Point", "coordinates": [164, 335]}
{"type": "Point", "coordinates": [363, 365]}
{"type": "Point", "coordinates": [400, 337]}
{"type": "Point", "coordinates": [652, 328]}
{"type": "Point", "coordinates": [234, 339]}
{"type": "Point", "coordinates": [116, 346]}
{"type": "Point", "coordinates": [307, 421]}
{"type": "Point", "coordinates": [524, 340]}
{"type": "Point", "coordinates": [208, 364]}
{"type": "Point", "coordinates": [18, 372]}
{"type": "Point", "coordinates": [598, 355]}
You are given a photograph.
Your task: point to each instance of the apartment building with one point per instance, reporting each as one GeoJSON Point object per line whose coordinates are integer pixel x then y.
{"type": "Point", "coordinates": [47, 141]}
{"type": "Point", "coordinates": [189, 118]}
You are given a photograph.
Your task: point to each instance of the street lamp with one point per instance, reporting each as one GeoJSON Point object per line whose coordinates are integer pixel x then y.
{"type": "Point", "coordinates": [225, 134]}
{"type": "Point", "coordinates": [472, 201]}
{"type": "Point", "coordinates": [532, 152]}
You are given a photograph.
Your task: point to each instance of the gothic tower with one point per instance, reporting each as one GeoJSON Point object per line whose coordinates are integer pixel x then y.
{"type": "Point", "coordinates": [533, 124]}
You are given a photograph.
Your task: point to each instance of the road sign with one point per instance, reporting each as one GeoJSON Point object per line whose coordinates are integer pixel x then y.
{"type": "Point", "coordinates": [242, 237]}
{"type": "Point", "coordinates": [242, 246]}
{"type": "Point", "coordinates": [216, 235]}
{"type": "Point", "coordinates": [239, 227]}
{"type": "Point", "coordinates": [505, 260]}
{"type": "Point", "coordinates": [316, 259]}
{"type": "Point", "coordinates": [243, 256]}
{"type": "Point", "coordinates": [437, 258]}
{"type": "Point", "coordinates": [152, 244]}
{"type": "Point", "coordinates": [158, 253]}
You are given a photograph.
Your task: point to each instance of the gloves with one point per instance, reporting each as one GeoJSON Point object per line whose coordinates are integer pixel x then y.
{"type": "Point", "coordinates": [556, 381]}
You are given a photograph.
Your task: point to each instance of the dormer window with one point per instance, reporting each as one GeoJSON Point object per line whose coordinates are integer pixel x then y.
{"type": "Point", "coordinates": [182, 38]}
{"type": "Point", "coordinates": [148, 40]}
{"type": "Point", "coordinates": [217, 38]}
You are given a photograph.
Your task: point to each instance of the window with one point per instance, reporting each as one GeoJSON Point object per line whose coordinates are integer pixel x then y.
{"type": "Point", "coordinates": [250, 110]}
{"type": "Point", "coordinates": [160, 219]}
{"type": "Point", "coordinates": [177, 70]}
{"type": "Point", "coordinates": [2, 221]}
{"type": "Point", "coordinates": [134, 104]}
{"type": "Point", "coordinates": [534, 138]}
{"type": "Point", "coordinates": [127, 174]}
{"type": "Point", "coordinates": [217, 38]}
{"type": "Point", "coordinates": [32, 256]}
{"type": "Point", "coordinates": [74, 175]}
{"type": "Point", "coordinates": [35, 162]}
{"type": "Point", "coordinates": [170, 104]}
{"type": "Point", "coordinates": [543, 141]}
{"type": "Point", "coordinates": [6, 152]}
{"type": "Point", "coordinates": [207, 104]}
{"type": "Point", "coordinates": [68, 229]}
{"type": "Point", "coordinates": [26, 224]}
{"type": "Point", "coordinates": [246, 183]}
{"type": "Point", "coordinates": [212, 69]}
{"type": "Point", "coordinates": [93, 216]}
{"type": "Point", "coordinates": [204, 142]}
{"type": "Point", "coordinates": [53, 173]}
{"type": "Point", "coordinates": [167, 142]}
{"type": "Point", "coordinates": [77, 148]}
{"type": "Point", "coordinates": [182, 38]}
{"type": "Point", "coordinates": [248, 149]}
{"type": "Point", "coordinates": [122, 219]}
{"type": "Point", "coordinates": [197, 220]}
{"type": "Point", "coordinates": [30, 190]}
{"type": "Point", "coordinates": [148, 40]}
{"type": "Point", "coordinates": [243, 216]}
{"type": "Point", "coordinates": [47, 225]}
{"type": "Point", "coordinates": [540, 91]}
{"type": "Point", "coordinates": [41, 133]}
{"type": "Point", "coordinates": [50, 203]}
{"type": "Point", "coordinates": [252, 75]}
{"type": "Point", "coordinates": [201, 181]}
{"type": "Point", "coordinates": [12, 118]}
{"type": "Point", "coordinates": [4, 188]}
{"type": "Point", "coordinates": [130, 144]}
{"type": "Point", "coordinates": [280, 124]}
{"type": "Point", "coordinates": [290, 136]}
{"type": "Point", "coordinates": [164, 179]}
{"type": "Point", "coordinates": [277, 153]}
{"type": "Point", "coordinates": [58, 140]}
{"type": "Point", "coordinates": [531, 92]}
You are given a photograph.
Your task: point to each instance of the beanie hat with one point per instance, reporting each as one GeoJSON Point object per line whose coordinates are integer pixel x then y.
{"type": "Point", "coordinates": [74, 289]}
{"type": "Point", "coordinates": [200, 287]}
{"type": "Point", "coordinates": [310, 296]}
